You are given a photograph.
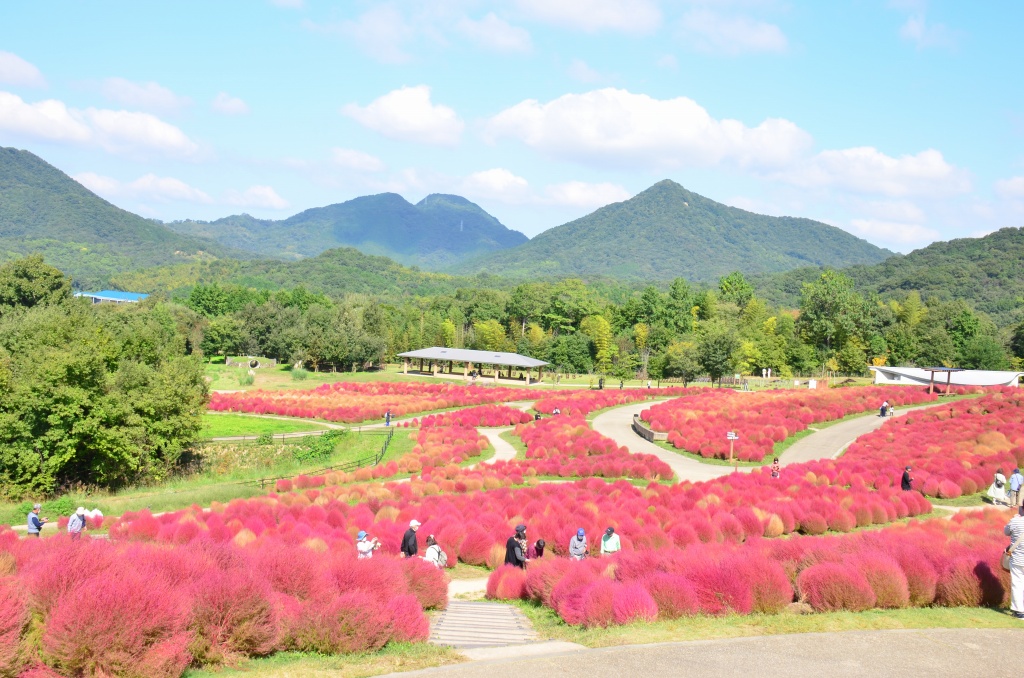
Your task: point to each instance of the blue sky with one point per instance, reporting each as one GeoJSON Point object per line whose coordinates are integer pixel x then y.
{"type": "Point", "coordinates": [901, 121]}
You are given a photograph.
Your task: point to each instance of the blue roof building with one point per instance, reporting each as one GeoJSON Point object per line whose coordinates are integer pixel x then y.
{"type": "Point", "coordinates": [112, 297]}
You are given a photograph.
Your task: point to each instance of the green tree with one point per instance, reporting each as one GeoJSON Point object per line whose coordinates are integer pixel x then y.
{"type": "Point", "coordinates": [571, 353]}
{"type": "Point", "coordinates": [569, 304]}
{"type": "Point", "coordinates": [984, 353]}
{"type": "Point", "coordinates": [224, 335]}
{"type": "Point", "coordinates": [448, 331]}
{"type": "Point", "coordinates": [30, 282]}
{"type": "Point", "coordinates": [716, 351]}
{"type": "Point", "coordinates": [682, 360]}
{"type": "Point", "coordinates": [852, 360]}
{"type": "Point", "coordinates": [735, 288]}
{"type": "Point", "coordinates": [829, 311]}
{"type": "Point", "coordinates": [600, 332]}
{"type": "Point", "coordinates": [1017, 340]}
{"type": "Point", "coordinates": [527, 302]}
{"type": "Point", "coordinates": [489, 335]}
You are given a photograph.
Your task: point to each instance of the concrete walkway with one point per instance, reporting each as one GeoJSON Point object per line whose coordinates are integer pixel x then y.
{"type": "Point", "coordinates": [473, 624]}
{"type": "Point", "coordinates": [503, 450]}
{"type": "Point", "coordinates": [829, 443]}
{"type": "Point", "coordinates": [936, 653]}
{"type": "Point", "coordinates": [617, 424]}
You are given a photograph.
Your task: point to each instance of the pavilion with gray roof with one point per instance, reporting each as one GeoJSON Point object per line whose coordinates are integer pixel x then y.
{"type": "Point", "coordinates": [436, 356]}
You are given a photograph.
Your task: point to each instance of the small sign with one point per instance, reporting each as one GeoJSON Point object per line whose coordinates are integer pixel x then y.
{"type": "Point", "coordinates": [731, 435]}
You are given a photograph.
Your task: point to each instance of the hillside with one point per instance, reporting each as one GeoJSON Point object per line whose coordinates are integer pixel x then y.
{"type": "Point", "coordinates": [667, 231]}
{"type": "Point", "coordinates": [438, 231]}
{"type": "Point", "coordinates": [44, 210]}
{"type": "Point", "coordinates": [987, 272]}
{"type": "Point", "coordinates": [335, 272]}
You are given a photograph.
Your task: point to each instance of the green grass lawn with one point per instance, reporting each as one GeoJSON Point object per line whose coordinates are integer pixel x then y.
{"type": "Point", "coordinates": [233, 468]}
{"type": "Point", "coordinates": [979, 499]}
{"type": "Point", "coordinates": [393, 658]}
{"type": "Point", "coordinates": [703, 627]}
{"type": "Point", "coordinates": [515, 441]}
{"type": "Point", "coordinates": [218, 425]}
{"type": "Point", "coordinates": [224, 378]}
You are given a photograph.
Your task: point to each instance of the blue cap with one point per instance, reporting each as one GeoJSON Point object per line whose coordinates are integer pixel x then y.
{"type": "Point", "coordinates": [362, 535]}
{"type": "Point", "coordinates": [580, 532]}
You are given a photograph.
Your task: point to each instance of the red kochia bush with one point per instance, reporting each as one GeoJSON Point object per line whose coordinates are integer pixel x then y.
{"type": "Point", "coordinates": [959, 585]}
{"type": "Point", "coordinates": [352, 622]}
{"type": "Point", "coordinates": [507, 583]}
{"type": "Point", "coordinates": [409, 624]}
{"type": "Point", "coordinates": [428, 583]}
{"type": "Point", "coordinates": [673, 594]}
{"type": "Point", "coordinates": [120, 624]}
{"type": "Point", "coordinates": [833, 586]}
{"type": "Point", "coordinates": [233, 615]}
{"type": "Point", "coordinates": [885, 577]}
{"type": "Point", "coordinates": [13, 617]}
{"type": "Point", "coordinates": [632, 602]}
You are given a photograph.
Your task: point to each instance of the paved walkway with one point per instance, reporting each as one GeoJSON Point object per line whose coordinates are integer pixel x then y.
{"type": "Point", "coordinates": [829, 443]}
{"type": "Point", "coordinates": [936, 653]}
{"type": "Point", "coordinates": [473, 624]}
{"type": "Point", "coordinates": [503, 450]}
{"type": "Point", "coordinates": [617, 424]}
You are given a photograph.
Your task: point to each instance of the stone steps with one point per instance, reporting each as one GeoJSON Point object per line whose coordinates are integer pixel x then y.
{"type": "Point", "coordinates": [469, 625]}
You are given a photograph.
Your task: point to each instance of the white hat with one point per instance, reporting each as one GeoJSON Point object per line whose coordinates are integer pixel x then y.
{"type": "Point", "coordinates": [81, 511]}
{"type": "Point", "coordinates": [414, 523]}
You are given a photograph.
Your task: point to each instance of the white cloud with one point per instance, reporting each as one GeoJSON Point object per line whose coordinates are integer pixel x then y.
{"type": "Point", "coordinates": [586, 195]}
{"type": "Point", "coordinates": [497, 184]}
{"type": "Point", "coordinates": [357, 160]}
{"type": "Point", "coordinates": [256, 196]}
{"type": "Point", "coordinates": [898, 235]}
{"type": "Point", "coordinates": [130, 132]}
{"type": "Point", "coordinates": [667, 61]}
{"type": "Point", "coordinates": [628, 16]}
{"type": "Point", "coordinates": [868, 170]}
{"type": "Point", "coordinates": [902, 211]}
{"type": "Point", "coordinates": [408, 114]}
{"type": "Point", "coordinates": [495, 34]}
{"type": "Point", "coordinates": [579, 70]}
{"type": "Point", "coordinates": [1010, 188]}
{"type": "Point", "coordinates": [148, 186]}
{"type": "Point", "coordinates": [381, 32]}
{"type": "Point", "coordinates": [918, 31]}
{"type": "Point", "coordinates": [115, 131]}
{"type": "Point", "coordinates": [148, 95]}
{"type": "Point", "coordinates": [229, 105]}
{"type": "Point", "coordinates": [17, 72]}
{"type": "Point", "coordinates": [617, 127]}
{"type": "Point", "coordinates": [711, 32]}
{"type": "Point", "coordinates": [49, 120]}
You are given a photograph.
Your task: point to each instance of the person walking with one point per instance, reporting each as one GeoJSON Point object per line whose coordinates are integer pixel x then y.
{"type": "Point", "coordinates": [884, 409]}
{"type": "Point", "coordinates": [997, 490]}
{"type": "Point", "coordinates": [907, 483]}
{"type": "Point", "coordinates": [578, 546]}
{"type": "Point", "coordinates": [1016, 482]}
{"type": "Point", "coordinates": [433, 554]}
{"type": "Point", "coordinates": [365, 546]}
{"type": "Point", "coordinates": [410, 546]}
{"type": "Point", "coordinates": [1015, 531]}
{"type": "Point", "coordinates": [537, 550]}
{"type": "Point", "coordinates": [387, 418]}
{"type": "Point", "coordinates": [515, 554]}
{"type": "Point", "coordinates": [35, 523]}
{"type": "Point", "coordinates": [76, 524]}
{"type": "Point", "coordinates": [776, 469]}
{"type": "Point", "coordinates": [610, 542]}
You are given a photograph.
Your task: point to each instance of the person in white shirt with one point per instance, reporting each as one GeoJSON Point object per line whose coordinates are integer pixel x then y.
{"type": "Point", "coordinates": [365, 546]}
{"type": "Point", "coordinates": [1015, 530]}
{"type": "Point", "coordinates": [433, 554]}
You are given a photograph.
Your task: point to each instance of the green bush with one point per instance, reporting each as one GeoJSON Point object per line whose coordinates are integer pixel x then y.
{"type": "Point", "coordinates": [265, 439]}
{"type": "Point", "coordinates": [246, 379]}
{"type": "Point", "coordinates": [300, 374]}
{"type": "Point", "coordinates": [321, 447]}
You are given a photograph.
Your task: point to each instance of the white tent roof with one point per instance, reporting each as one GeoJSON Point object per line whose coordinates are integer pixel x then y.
{"type": "Point", "coordinates": [465, 355]}
{"type": "Point", "coordinates": [961, 378]}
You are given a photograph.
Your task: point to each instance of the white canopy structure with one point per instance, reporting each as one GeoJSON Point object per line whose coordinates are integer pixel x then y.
{"type": "Point", "coordinates": [436, 356]}
{"type": "Point", "coordinates": [918, 376]}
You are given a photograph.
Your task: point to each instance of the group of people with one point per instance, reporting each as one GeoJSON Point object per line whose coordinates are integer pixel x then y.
{"type": "Point", "coordinates": [517, 553]}
{"type": "Point", "coordinates": [1006, 491]}
{"type": "Point", "coordinates": [886, 410]}
{"type": "Point", "coordinates": [76, 523]}
{"type": "Point", "coordinates": [367, 545]}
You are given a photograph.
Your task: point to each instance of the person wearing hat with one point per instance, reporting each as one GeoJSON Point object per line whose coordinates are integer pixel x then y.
{"type": "Point", "coordinates": [907, 483]}
{"type": "Point", "coordinates": [515, 548]}
{"type": "Point", "coordinates": [77, 523]}
{"type": "Point", "coordinates": [365, 546]}
{"type": "Point", "coordinates": [410, 547]}
{"type": "Point", "coordinates": [35, 523]}
{"type": "Point", "coordinates": [610, 542]}
{"type": "Point", "coordinates": [1016, 482]}
{"type": "Point", "coordinates": [578, 546]}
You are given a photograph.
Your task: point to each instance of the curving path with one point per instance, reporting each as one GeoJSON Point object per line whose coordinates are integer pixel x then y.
{"type": "Point", "coordinates": [830, 442]}
{"type": "Point", "coordinates": [617, 424]}
{"type": "Point", "coordinates": [936, 653]}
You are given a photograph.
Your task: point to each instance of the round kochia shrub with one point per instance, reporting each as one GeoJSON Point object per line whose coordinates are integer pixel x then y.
{"type": "Point", "coordinates": [673, 594]}
{"type": "Point", "coordinates": [631, 602]}
{"type": "Point", "coordinates": [828, 587]}
{"type": "Point", "coordinates": [233, 615]}
{"type": "Point", "coordinates": [13, 617]}
{"type": "Point", "coordinates": [507, 583]}
{"type": "Point", "coordinates": [352, 622]}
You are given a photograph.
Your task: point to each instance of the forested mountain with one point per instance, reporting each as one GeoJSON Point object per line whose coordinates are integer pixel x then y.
{"type": "Point", "coordinates": [438, 231]}
{"type": "Point", "coordinates": [44, 210]}
{"type": "Point", "coordinates": [668, 232]}
{"type": "Point", "coordinates": [986, 272]}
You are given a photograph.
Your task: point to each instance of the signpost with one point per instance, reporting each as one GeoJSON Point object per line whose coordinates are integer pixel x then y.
{"type": "Point", "coordinates": [731, 437]}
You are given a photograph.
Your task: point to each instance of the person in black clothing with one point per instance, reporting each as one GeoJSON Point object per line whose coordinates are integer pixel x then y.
{"type": "Point", "coordinates": [515, 551]}
{"type": "Point", "coordinates": [907, 483]}
{"type": "Point", "coordinates": [410, 547]}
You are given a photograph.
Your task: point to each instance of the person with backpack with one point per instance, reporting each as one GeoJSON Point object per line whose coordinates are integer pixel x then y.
{"type": "Point", "coordinates": [997, 490]}
{"type": "Point", "coordinates": [578, 549]}
{"type": "Point", "coordinates": [515, 548]}
{"type": "Point", "coordinates": [434, 555]}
